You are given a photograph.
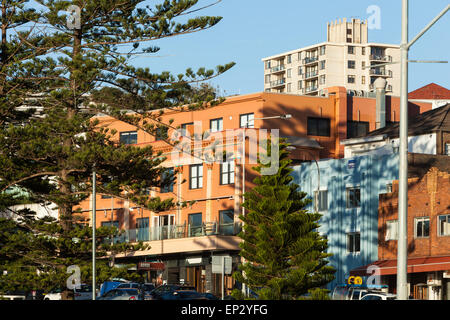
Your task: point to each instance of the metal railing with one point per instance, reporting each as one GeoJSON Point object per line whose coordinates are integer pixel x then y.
{"type": "Point", "coordinates": [277, 82]}
{"type": "Point", "coordinates": [278, 68]}
{"type": "Point", "coordinates": [379, 72]}
{"type": "Point", "coordinates": [310, 59]}
{"type": "Point", "coordinates": [311, 89]}
{"type": "Point", "coordinates": [177, 232]}
{"type": "Point", "coordinates": [377, 57]}
{"type": "Point", "coordinates": [311, 74]}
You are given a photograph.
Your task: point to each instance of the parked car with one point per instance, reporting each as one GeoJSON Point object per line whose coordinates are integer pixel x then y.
{"type": "Point", "coordinates": [54, 294]}
{"type": "Point", "coordinates": [121, 294]}
{"type": "Point", "coordinates": [379, 296]}
{"type": "Point", "coordinates": [147, 289]}
{"type": "Point", "coordinates": [83, 293]}
{"type": "Point", "coordinates": [183, 295]}
{"type": "Point", "coordinates": [166, 290]}
{"type": "Point", "coordinates": [16, 295]}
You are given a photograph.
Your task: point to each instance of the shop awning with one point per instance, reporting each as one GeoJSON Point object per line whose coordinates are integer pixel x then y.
{"type": "Point", "coordinates": [415, 265]}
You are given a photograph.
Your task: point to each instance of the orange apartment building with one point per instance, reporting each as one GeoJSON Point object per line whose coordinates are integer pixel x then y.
{"type": "Point", "coordinates": [183, 240]}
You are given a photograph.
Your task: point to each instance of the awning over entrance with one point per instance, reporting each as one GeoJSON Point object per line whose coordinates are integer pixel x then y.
{"type": "Point", "coordinates": [415, 265]}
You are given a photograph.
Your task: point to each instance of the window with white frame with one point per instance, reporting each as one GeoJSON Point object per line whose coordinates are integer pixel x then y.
{"type": "Point", "coordinates": [353, 242]}
{"type": "Point", "coordinates": [447, 149]}
{"type": "Point", "coordinates": [289, 73]}
{"type": "Point", "coordinates": [321, 200]}
{"type": "Point", "coordinates": [391, 230]}
{"type": "Point", "coordinates": [216, 124]}
{"type": "Point", "coordinates": [444, 225]}
{"type": "Point", "coordinates": [247, 120]}
{"type": "Point", "coordinates": [227, 172]}
{"type": "Point", "coordinates": [196, 176]}
{"type": "Point", "coordinates": [128, 137]}
{"type": "Point", "coordinates": [422, 227]}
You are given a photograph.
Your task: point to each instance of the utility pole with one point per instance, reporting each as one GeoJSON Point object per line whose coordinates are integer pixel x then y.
{"type": "Point", "coordinates": [94, 211]}
{"type": "Point", "coordinates": [402, 245]}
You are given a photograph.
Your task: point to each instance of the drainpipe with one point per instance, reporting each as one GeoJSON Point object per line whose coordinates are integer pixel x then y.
{"type": "Point", "coordinates": [380, 85]}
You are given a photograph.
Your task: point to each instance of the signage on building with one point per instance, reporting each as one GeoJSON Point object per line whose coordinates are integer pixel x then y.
{"type": "Point", "coordinates": [351, 164]}
{"type": "Point", "coordinates": [218, 264]}
{"type": "Point", "coordinates": [151, 266]}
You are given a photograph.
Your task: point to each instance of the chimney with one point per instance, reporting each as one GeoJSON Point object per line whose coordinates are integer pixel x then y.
{"type": "Point", "coordinates": [380, 85]}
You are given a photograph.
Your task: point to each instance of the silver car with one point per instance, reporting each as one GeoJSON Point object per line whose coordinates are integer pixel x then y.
{"type": "Point", "coordinates": [121, 294]}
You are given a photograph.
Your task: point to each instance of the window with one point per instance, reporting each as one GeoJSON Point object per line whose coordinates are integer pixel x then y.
{"type": "Point", "coordinates": [392, 230]}
{"type": "Point", "coordinates": [363, 51]}
{"type": "Point", "coordinates": [267, 78]}
{"type": "Point", "coordinates": [353, 197]}
{"type": "Point", "coordinates": [422, 227]}
{"type": "Point", "coordinates": [322, 50]}
{"type": "Point", "coordinates": [322, 65]}
{"type": "Point", "coordinates": [195, 224]}
{"type": "Point", "coordinates": [142, 224]}
{"type": "Point", "coordinates": [184, 128]}
{"type": "Point", "coordinates": [363, 64]}
{"type": "Point", "coordinates": [321, 200]}
{"type": "Point", "coordinates": [447, 149]}
{"type": "Point", "coordinates": [196, 176]}
{"type": "Point", "coordinates": [128, 137]}
{"type": "Point", "coordinates": [322, 79]}
{"type": "Point", "coordinates": [389, 188]}
{"type": "Point", "coordinates": [444, 225]}
{"type": "Point", "coordinates": [167, 187]}
{"type": "Point", "coordinates": [226, 222]}
{"type": "Point", "coordinates": [351, 64]}
{"type": "Point", "coordinates": [363, 80]}
{"type": "Point", "coordinates": [318, 127]}
{"type": "Point", "coordinates": [289, 58]}
{"type": "Point", "coordinates": [227, 172]}
{"type": "Point", "coordinates": [351, 50]}
{"type": "Point", "coordinates": [289, 87]}
{"type": "Point", "coordinates": [289, 73]}
{"type": "Point", "coordinates": [300, 71]}
{"type": "Point", "coordinates": [353, 242]}
{"type": "Point", "coordinates": [267, 64]}
{"type": "Point", "coordinates": [161, 133]}
{"type": "Point", "coordinates": [299, 85]}
{"type": "Point", "coordinates": [246, 120]}
{"type": "Point", "coordinates": [110, 224]}
{"type": "Point", "coordinates": [351, 79]}
{"type": "Point", "coordinates": [357, 129]}
{"type": "Point", "coordinates": [216, 124]}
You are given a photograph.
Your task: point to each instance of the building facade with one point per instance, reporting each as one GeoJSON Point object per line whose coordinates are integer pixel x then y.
{"type": "Point", "coordinates": [340, 61]}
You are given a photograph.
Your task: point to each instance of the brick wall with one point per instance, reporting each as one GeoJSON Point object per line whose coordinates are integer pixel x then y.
{"type": "Point", "coordinates": [428, 196]}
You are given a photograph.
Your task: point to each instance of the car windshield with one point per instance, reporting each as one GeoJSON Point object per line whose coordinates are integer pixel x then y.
{"type": "Point", "coordinates": [130, 292]}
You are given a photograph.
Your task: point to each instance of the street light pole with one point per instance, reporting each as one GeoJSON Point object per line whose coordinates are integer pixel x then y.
{"type": "Point", "coordinates": [402, 243]}
{"type": "Point", "coordinates": [94, 211]}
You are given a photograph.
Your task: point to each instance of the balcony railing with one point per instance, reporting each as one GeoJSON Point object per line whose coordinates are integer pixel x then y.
{"type": "Point", "coordinates": [278, 68]}
{"type": "Point", "coordinates": [311, 74]}
{"type": "Point", "coordinates": [310, 59]}
{"type": "Point", "coordinates": [311, 89]}
{"type": "Point", "coordinates": [376, 57]}
{"type": "Point", "coordinates": [177, 232]}
{"type": "Point", "coordinates": [277, 83]}
{"type": "Point", "coordinates": [378, 72]}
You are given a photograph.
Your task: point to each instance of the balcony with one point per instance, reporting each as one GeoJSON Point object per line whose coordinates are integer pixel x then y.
{"type": "Point", "coordinates": [309, 60]}
{"type": "Point", "coordinates": [279, 68]}
{"type": "Point", "coordinates": [311, 74]}
{"type": "Point", "coordinates": [388, 87]}
{"type": "Point", "coordinates": [184, 238]}
{"type": "Point", "coordinates": [277, 83]}
{"type": "Point", "coordinates": [177, 232]}
{"type": "Point", "coordinates": [378, 72]}
{"type": "Point", "coordinates": [311, 89]}
{"type": "Point", "coordinates": [382, 58]}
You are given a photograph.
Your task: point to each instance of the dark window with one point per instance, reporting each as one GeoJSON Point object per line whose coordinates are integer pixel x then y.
{"type": "Point", "coordinates": [195, 224]}
{"type": "Point", "coordinates": [422, 227]}
{"type": "Point", "coordinates": [227, 172]}
{"type": "Point", "coordinates": [226, 222]}
{"type": "Point", "coordinates": [110, 224]}
{"type": "Point", "coordinates": [351, 64]}
{"type": "Point", "coordinates": [353, 242]}
{"type": "Point", "coordinates": [351, 49]}
{"type": "Point", "coordinates": [318, 127]}
{"type": "Point", "coordinates": [161, 133]}
{"type": "Point", "coordinates": [128, 137]}
{"type": "Point", "coordinates": [353, 197]}
{"type": "Point", "coordinates": [321, 200]}
{"type": "Point", "coordinates": [351, 79]}
{"type": "Point", "coordinates": [167, 187]}
{"type": "Point", "coordinates": [196, 176]}
{"type": "Point", "coordinates": [357, 129]}
{"type": "Point", "coordinates": [142, 225]}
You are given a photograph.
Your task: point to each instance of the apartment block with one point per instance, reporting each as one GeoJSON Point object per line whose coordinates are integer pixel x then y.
{"type": "Point", "coordinates": [342, 60]}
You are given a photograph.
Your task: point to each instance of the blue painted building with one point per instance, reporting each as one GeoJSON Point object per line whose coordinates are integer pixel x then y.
{"type": "Point", "coordinates": [348, 200]}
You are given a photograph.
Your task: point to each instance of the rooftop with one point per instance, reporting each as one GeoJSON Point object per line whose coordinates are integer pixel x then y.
{"type": "Point", "coordinates": [431, 91]}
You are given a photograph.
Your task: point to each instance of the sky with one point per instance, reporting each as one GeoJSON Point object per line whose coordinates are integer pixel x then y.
{"type": "Point", "coordinates": [254, 29]}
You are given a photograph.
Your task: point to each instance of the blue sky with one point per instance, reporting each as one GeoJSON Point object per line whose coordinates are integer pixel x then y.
{"type": "Point", "coordinates": [253, 29]}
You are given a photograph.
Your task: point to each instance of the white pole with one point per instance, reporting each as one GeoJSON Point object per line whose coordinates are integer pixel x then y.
{"type": "Point", "coordinates": [223, 277]}
{"type": "Point", "coordinates": [94, 211]}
